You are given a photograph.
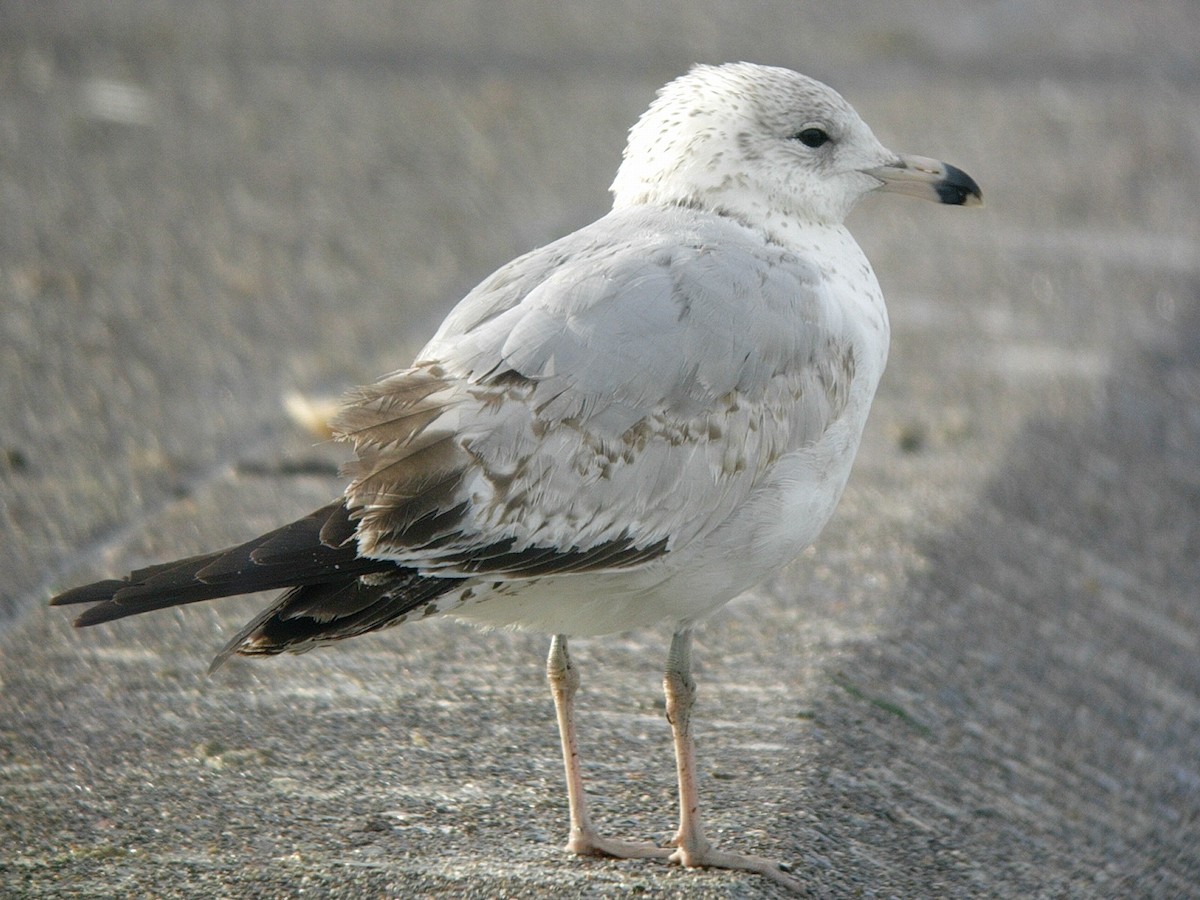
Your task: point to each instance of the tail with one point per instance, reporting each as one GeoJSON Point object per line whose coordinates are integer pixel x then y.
{"type": "Point", "coordinates": [332, 592]}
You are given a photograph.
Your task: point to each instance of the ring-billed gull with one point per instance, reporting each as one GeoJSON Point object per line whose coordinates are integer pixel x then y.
{"type": "Point", "coordinates": [630, 425]}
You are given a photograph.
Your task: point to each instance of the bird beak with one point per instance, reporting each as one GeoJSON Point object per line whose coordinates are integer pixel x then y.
{"type": "Point", "coordinates": [920, 176]}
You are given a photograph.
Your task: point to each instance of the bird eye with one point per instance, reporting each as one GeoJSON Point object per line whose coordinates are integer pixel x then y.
{"type": "Point", "coordinates": [811, 137]}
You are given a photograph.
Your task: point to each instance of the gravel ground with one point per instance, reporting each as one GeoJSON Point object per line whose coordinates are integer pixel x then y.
{"type": "Point", "coordinates": [983, 681]}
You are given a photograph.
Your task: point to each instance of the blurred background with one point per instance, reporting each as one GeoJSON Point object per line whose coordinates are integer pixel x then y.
{"type": "Point", "coordinates": [985, 679]}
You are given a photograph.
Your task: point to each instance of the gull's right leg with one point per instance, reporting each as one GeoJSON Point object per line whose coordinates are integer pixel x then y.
{"type": "Point", "coordinates": [564, 682]}
{"type": "Point", "coordinates": [694, 848]}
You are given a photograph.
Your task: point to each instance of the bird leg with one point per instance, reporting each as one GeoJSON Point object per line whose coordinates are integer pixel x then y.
{"type": "Point", "coordinates": [584, 840]}
{"type": "Point", "coordinates": [692, 846]}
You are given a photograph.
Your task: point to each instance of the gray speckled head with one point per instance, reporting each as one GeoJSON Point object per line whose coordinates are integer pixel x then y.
{"type": "Point", "coordinates": [754, 141]}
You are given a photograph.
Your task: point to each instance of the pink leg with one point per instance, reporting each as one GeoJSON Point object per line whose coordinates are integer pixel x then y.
{"type": "Point", "coordinates": [564, 682]}
{"type": "Point", "coordinates": [693, 847]}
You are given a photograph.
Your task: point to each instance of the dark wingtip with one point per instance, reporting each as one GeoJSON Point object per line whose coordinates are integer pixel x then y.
{"type": "Point", "coordinates": [219, 660]}
{"type": "Point", "coordinates": [958, 188]}
{"type": "Point", "coordinates": [102, 612]}
{"type": "Point", "coordinates": [89, 593]}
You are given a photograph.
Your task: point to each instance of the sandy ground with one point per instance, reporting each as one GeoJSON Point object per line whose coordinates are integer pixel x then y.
{"type": "Point", "coordinates": [984, 680]}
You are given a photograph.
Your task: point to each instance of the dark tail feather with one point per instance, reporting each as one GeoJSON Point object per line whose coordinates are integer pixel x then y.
{"type": "Point", "coordinates": [291, 556]}
{"type": "Point", "coordinates": [333, 593]}
{"type": "Point", "coordinates": [314, 614]}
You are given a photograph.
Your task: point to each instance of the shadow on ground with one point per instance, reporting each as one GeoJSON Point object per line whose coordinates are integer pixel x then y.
{"type": "Point", "coordinates": [1039, 701]}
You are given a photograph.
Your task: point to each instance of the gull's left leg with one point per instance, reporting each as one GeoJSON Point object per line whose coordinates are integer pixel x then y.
{"type": "Point", "coordinates": [693, 847]}
{"type": "Point", "coordinates": [564, 682]}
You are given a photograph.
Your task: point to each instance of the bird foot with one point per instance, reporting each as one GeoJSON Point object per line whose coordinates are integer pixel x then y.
{"type": "Point", "coordinates": [720, 859]}
{"type": "Point", "coordinates": [591, 844]}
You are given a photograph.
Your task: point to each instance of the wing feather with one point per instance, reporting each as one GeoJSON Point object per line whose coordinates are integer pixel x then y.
{"type": "Point", "coordinates": [549, 426]}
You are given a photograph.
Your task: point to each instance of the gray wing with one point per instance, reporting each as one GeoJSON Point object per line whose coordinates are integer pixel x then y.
{"type": "Point", "coordinates": [598, 402]}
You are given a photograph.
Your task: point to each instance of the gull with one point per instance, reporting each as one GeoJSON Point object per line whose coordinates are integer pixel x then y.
{"type": "Point", "coordinates": [631, 425]}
